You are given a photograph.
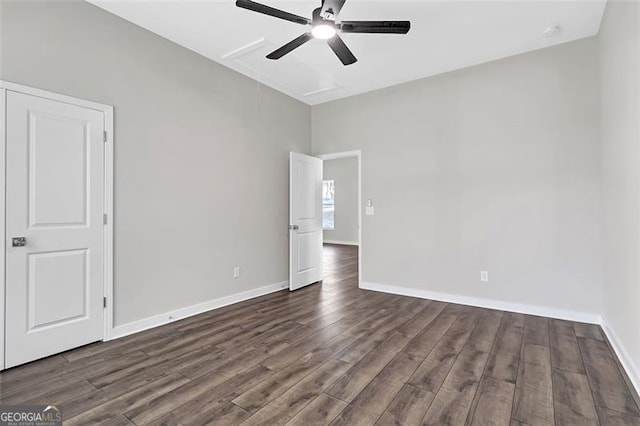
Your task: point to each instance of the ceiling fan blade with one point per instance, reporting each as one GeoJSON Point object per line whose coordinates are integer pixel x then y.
{"type": "Point", "coordinates": [271, 11]}
{"type": "Point", "coordinates": [295, 43]}
{"type": "Point", "coordinates": [331, 6]}
{"type": "Point", "coordinates": [341, 50]}
{"type": "Point", "coordinates": [377, 27]}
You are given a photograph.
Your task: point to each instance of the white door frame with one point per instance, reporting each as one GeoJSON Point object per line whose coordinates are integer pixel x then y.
{"type": "Point", "coordinates": [108, 201]}
{"type": "Point", "coordinates": [348, 154]}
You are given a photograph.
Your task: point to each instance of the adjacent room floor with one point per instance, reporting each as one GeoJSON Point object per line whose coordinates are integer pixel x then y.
{"type": "Point", "coordinates": [334, 353]}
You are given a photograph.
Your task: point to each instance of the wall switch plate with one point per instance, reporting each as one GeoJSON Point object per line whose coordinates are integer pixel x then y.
{"type": "Point", "coordinates": [236, 272]}
{"type": "Point", "coordinates": [484, 276]}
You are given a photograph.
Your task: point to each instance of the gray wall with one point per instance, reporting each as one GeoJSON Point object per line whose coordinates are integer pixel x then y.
{"type": "Point", "coordinates": [201, 157]}
{"type": "Point", "coordinates": [618, 44]}
{"type": "Point", "coordinates": [344, 171]}
{"type": "Point", "coordinates": [495, 167]}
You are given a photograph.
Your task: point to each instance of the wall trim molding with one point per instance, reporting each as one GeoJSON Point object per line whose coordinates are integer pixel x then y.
{"type": "Point", "coordinates": [189, 311]}
{"type": "Point", "coordinates": [344, 243]}
{"type": "Point", "coordinates": [632, 370]}
{"type": "Point", "coordinates": [501, 305]}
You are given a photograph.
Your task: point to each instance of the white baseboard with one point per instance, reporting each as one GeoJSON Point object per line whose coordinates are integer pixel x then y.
{"type": "Point", "coordinates": [632, 369]}
{"type": "Point", "coordinates": [542, 311]}
{"type": "Point", "coordinates": [178, 314]}
{"type": "Point", "coordinates": [344, 243]}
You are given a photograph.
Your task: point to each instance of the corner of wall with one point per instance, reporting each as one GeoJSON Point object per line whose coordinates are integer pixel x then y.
{"type": "Point", "coordinates": [619, 134]}
{"type": "Point", "coordinates": [631, 369]}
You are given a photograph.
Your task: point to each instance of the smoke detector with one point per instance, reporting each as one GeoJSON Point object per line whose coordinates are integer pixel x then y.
{"type": "Point", "coordinates": [550, 31]}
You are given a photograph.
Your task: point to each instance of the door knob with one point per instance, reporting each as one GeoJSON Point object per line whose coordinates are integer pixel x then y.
{"type": "Point", "coordinates": [18, 241]}
{"type": "Point", "coordinates": [294, 227]}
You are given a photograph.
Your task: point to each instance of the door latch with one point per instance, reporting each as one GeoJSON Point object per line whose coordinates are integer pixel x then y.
{"type": "Point", "coordinates": [18, 241]}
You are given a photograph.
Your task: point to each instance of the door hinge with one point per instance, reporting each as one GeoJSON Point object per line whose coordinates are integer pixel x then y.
{"type": "Point", "coordinates": [104, 136]}
{"type": "Point", "coordinates": [104, 302]}
{"type": "Point", "coordinates": [104, 218]}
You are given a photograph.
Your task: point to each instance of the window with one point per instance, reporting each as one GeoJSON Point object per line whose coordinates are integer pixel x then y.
{"type": "Point", "coordinates": [328, 205]}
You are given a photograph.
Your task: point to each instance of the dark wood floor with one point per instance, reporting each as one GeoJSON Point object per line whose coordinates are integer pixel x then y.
{"type": "Point", "coordinates": [332, 353]}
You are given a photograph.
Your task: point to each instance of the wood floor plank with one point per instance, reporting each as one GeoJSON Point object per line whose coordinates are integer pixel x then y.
{"type": "Point", "coordinates": [333, 310]}
{"type": "Point", "coordinates": [101, 365]}
{"type": "Point", "coordinates": [591, 331]}
{"type": "Point", "coordinates": [41, 367]}
{"type": "Point", "coordinates": [573, 402]}
{"type": "Point", "coordinates": [264, 392]}
{"type": "Point", "coordinates": [100, 396]}
{"type": "Point", "coordinates": [230, 363]}
{"type": "Point", "coordinates": [369, 341]}
{"type": "Point", "coordinates": [227, 414]}
{"type": "Point", "coordinates": [615, 418]}
{"type": "Point", "coordinates": [609, 387]}
{"type": "Point", "coordinates": [35, 388]}
{"type": "Point", "coordinates": [181, 344]}
{"type": "Point", "coordinates": [422, 319]}
{"type": "Point", "coordinates": [136, 398]}
{"type": "Point", "coordinates": [455, 397]}
{"type": "Point", "coordinates": [89, 400]}
{"type": "Point", "coordinates": [117, 347]}
{"type": "Point", "coordinates": [116, 421]}
{"type": "Point", "coordinates": [365, 328]}
{"type": "Point", "coordinates": [62, 395]}
{"type": "Point", "coordinates": [625, 376]}
{"type": "Point", "coordinates": [367, 407]}
{"type": "Point", "coordinates": [153, 366]}
{"type": "Point", "coordinates": [204, 405]}
{"type": "Point", "coordinates": [565, 353]}
{"type": "Point", "coordinates": [435, 367]}
{"type": "Point", "coordinates": [493, 403]}
{"type": "Point", "coordinates": [408, 407]}
{"type": "Point", "coordinates": [533, 401]}
{"type": "Point", "coordinates": [320, 411]}
{"type": "Point", "coordinates": [192, 390]}
{"type": "Point", "coordinates": [428, 338]}
{"type": "Point", "coordinates": [504, 359]}
{"type": "Point", "coordinates": [357, 377]}
{"type": "Point", "coordinates": [212, 335]}
{"type": "Point", "coordinates": [285, 407]}
{"type": "Point", "coordinates": [536, 331]}
{"type": "Point", "coordinates": [150, 337]}
{"type": "Point", "coordinates": [301, 347]}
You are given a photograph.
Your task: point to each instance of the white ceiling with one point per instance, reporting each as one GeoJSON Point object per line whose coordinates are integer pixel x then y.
{"type": "Point", "coordinates": [444, 36]}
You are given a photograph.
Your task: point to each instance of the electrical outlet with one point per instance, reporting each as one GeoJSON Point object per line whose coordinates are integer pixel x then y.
{"type": "Point", "coordinates": [236, 272]}
{"type": "Point", "coordinates": [484, 276]}
{"type": "Point", "coordinates": [368, 211]}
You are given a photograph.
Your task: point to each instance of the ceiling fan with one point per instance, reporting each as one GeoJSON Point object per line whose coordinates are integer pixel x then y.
{"type": "Point", "coordinates": [325, 27]}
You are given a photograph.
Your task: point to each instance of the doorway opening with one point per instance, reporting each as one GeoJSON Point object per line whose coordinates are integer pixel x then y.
{"type": "Point", "coordinates": [341, 217]}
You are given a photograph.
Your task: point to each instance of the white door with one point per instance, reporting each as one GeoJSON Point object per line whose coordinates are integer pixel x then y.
{"type": "Point", "coordinates": [55, 199]}
{"type": "Point", "coordinates": [305, 220]}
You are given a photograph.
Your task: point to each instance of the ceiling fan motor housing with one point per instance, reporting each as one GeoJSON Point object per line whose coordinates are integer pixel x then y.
{"type": "Point", "coordinates": [318, 19]}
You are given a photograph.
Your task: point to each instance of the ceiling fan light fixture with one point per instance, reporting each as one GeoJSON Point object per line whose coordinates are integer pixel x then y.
{"type": "Point", "coordinates": [324, 27]}
{"type": "Point", "coordinates": [323, 31]}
